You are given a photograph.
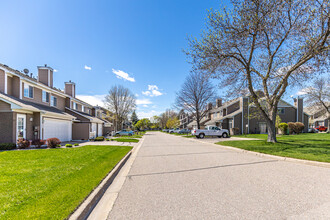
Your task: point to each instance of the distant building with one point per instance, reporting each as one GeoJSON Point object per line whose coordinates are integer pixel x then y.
{"type": "Point", "coordinates": [242, 114]}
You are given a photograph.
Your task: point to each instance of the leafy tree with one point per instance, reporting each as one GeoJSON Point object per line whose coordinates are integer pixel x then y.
{"type": "Point", "coordinates": [173, 122]}
{"type": "Point", "coordinates": [264, 45]}
{"type": "Point", "coordinates": [163, 118]}
{"type": "Point", "coordinates": [134, 118]}
{"type": "Point", "coordinates": [143, 124]}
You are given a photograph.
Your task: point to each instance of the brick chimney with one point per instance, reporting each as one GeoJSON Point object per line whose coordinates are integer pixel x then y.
{"type": "Point", "coordinates": [70, 89]}
{"type": "Point", "coordinates": [45, 75]}
{"type": "Point", "coordinates": [209, 106]}
{"type": "Point", "coordinates": [300, 110]}
{"type": "Point", "coordinates": [218, 103]}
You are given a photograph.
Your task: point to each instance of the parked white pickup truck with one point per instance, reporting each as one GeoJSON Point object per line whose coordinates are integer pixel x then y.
{"type": "Point", "coordinates": [210, 131]}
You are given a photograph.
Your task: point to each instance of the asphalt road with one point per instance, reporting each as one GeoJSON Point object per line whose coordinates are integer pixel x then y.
{"type": "Point", "coordinates": [179, 178]}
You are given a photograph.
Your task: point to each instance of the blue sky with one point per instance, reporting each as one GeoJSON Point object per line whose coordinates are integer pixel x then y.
{"type": "Point", "coordinates": [98, 44]}
{"type": "Point", "coordinates": [143, 39]}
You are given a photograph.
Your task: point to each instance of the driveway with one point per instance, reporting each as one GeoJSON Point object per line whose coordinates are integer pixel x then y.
{"type": "Point", "coordinates": [178, 178]}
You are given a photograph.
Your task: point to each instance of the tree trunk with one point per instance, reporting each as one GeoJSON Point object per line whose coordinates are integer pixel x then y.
{"type": "Point", "coordinates": [198, 125]}
{"type": "Point", "coordinates": [271, 132]}
{"type": "Point", "coordinates": [198, 120]}
{"type": "Point", "coordinates": [271, 129]}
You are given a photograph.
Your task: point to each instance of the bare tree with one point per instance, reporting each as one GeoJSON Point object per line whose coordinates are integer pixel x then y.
{"type": "Point", "coordinates": [264, 45]}
{"type": "Point", "coordinates": [163, 118]}
{"type": "Point", "coordinates": [121, 102]}
{"type": "Point", "coordinates": [196, 92]}
{"type": "Point", "coordinates": [318, 95]}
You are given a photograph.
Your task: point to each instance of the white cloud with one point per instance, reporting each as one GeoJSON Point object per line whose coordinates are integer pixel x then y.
{"type": "Point", "coordinates": [146, 106]}
{"type": "Point", "coordinates": [122, 75]}
{"type": "Point", "coordinates": [55, 71]}
{"type": "Point", "coordinates": [143, 102]}
{"type": "Point", "coordinates": [92, 99]}
{"type": "Point", "coordinates": [153, 90]}
{"type": "Point", "coordinates": [88, 67]}
{"type": "Point", "coordinates": [137, 95]}
{"type": "Point", "coordinates": [304, 91]}
{"type": "Point", "coordinates": [147, 114]}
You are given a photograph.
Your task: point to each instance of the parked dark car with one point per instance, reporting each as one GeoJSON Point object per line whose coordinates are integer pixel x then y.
{"type": "Point", "coordinates": [184, 131]}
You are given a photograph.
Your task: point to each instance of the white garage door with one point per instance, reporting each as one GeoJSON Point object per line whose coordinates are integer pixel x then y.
{"type": "Point", "coordinates": [99, 129]}
{"type": "Point", "coordinates": [57, 128]}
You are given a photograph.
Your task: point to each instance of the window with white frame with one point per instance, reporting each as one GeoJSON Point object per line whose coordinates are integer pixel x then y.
{"type": "Point", "coordinates": [83, 108]}
{"type": "Point", "coordinates": [53, 101]}
{"type": "Point", "coordinates": [74, 105]}
{"type": "Point", "coordinates": [28, 91]}
{"type": "Point", "coordinates": [45, 96]}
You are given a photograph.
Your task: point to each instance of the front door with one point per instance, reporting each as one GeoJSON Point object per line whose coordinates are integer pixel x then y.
{"type": "Point", "coordinates": [21, 126]}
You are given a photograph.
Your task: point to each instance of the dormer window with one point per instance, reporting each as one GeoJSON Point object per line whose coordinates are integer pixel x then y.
{"type": "Point", "coordinates": [45, 96]}
{"type": "Point", "coordinates": [74, 105]}
{"type": "Point", "coordinates": [83, 108]}
{"type": "Point", "coordinates": [28, 91]}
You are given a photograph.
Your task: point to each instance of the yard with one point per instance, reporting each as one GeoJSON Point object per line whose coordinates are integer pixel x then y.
{"type": "Point", "coordinates": [51, 183]}
{"type": "Point", "coordinates": [303, 146]}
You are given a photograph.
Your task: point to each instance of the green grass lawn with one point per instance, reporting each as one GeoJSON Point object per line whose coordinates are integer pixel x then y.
{"type": "Point", "coordinates": [51, 183]}
{"type": "Point", "coordinates": [126, 140]}
{"type": "Point", "coordinates": [303, 146]}
{"type": "Point", "coordinates": [132, 136]}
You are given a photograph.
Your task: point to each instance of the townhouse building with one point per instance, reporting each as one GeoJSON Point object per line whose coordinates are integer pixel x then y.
{"type": "Point", "coordinates": [184, 118]}
{"type": "Point", "coordinates": [318, 116]}
{"type": "Point", "coordinates": [206, 118]}
{"type": "Point", "coordinates": [240, 114]}
{"type": "Point", "coordinates": [107, 117]}
{"type": "Point", "coordinates": [32, 108]}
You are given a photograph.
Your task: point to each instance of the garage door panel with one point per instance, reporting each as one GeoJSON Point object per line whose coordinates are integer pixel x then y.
{"type": "Point", "coordinates": [60, 129]}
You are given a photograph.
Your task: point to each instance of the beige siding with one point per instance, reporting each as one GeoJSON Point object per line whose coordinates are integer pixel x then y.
{"type": "Point", "coordinates": [79, 107]}
{"type": "Point", "coordinates": [80, 131]}
{"type": "Point", "coordinates": [4, 106]}
{"type": "Point", "coordinates": [15, 86]}
{"type": "Point", "coordinates": [68, 89]}
{"type": "Point", "coordinates": [43, 76]}
{"type": "Point", "coordinates": [60, 102]}
{"type": "Point", "coordinates": [2, 81]}
{"type": "Point", "coordinates": [7, 127]}
{"type": "Point", "coordinates": [51, 78]}
{"type": "Point", "coordinates": [233, 107]}
{"type": "Point", "coordinates": [9, 85]}
{"type": "Point", "coordinates": [37, 96]}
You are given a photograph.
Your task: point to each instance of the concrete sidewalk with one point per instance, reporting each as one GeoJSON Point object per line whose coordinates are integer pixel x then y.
{"type": "Point", "coordinates": [179, 178]}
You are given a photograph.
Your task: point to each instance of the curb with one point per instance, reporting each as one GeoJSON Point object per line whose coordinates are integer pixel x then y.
{"type": "Point", "coordinates": [87, 206]}
{"type": "Point", "coordinates": [280, 158]}
{"type": "Point", "coordinates": [105, 205]}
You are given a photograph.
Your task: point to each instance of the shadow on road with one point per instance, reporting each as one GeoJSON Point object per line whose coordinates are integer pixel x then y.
{"type": "Point", "coordinates": [183, 154]}
{"type": "Point", "coordinates": [203, 168]}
